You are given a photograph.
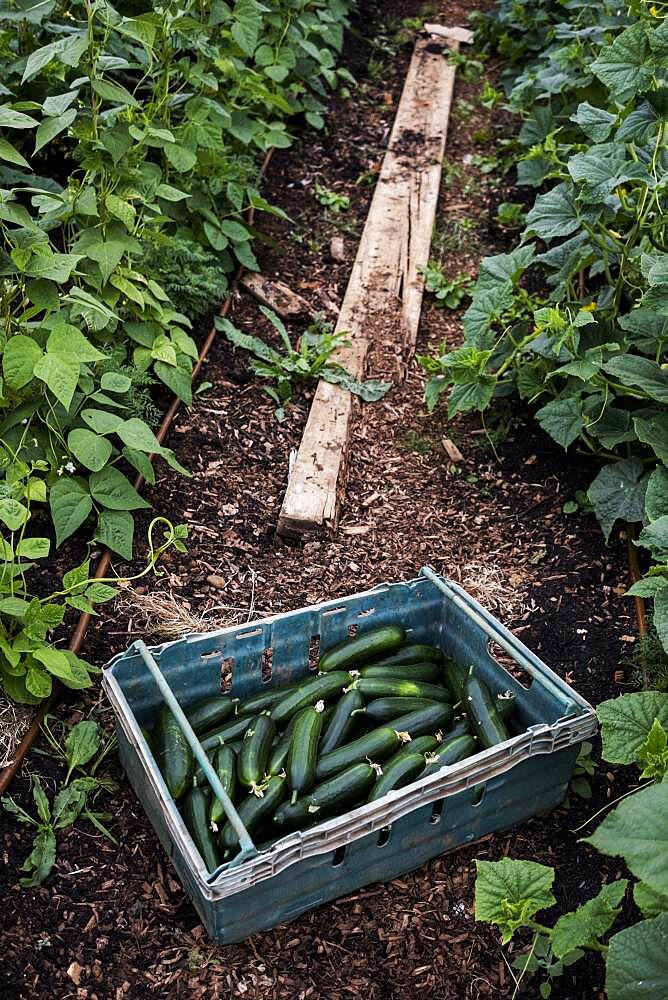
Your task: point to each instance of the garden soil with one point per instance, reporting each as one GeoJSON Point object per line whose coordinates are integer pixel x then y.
{"type": "Point", "coordinates": [481, 504]}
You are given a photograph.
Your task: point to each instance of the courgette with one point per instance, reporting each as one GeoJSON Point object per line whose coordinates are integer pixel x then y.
{"type": "Point", "coordinates": [279, 752]}
{"type": "Point", "coordinates": [227, 733]}
{"type": "Point", "coordinates": [362, 647]}
{"type": "Point", "coordinates": [302, 756]}
{"type": "Point", "coordinates": [506, 702]}
{"type": "Point", "coordinates": [331, 796]}
{"type": "Point", "coordinates": [396, 775]}
{"type": "Point", "coordinates": [173, 754]}
{"type": "Point", "coordinates": [315, 689]}
{"type": "Point", "coordinates": [196, 817]}
{"type": "Point", "coordinates": [340, 727]}
{"type": "Point", "coordinates": [390, 687]}
{"type": "Point", "coordinates": [257, 703]}
{"type": "Point", "coordinates": [485, 721]}
{"type": "Point", "coordinates": [255, 810]}
{"type": "Point", "coordinates": [422, 745]}
{"type": "Point", "coordinates": [450, 752]}
{"type": "Point", "coordinates": [255, 750]}
{"type": "Point", "coordinates": [414, 653]}
{"type": "Point", "coordinates": [454, 676]}
{"type": "Point", "coordinates": [426, 720]}
{"type": "Point", "coordinates": [386, 709]}
{"type": "Point", "coordinates": [210, 712]}
{"type": "Point", "coordinates": [225, 766]}
{"type": "Point", "coordinates": [375, 746]}
{"type": "Point", "coordinates": [403, 671]}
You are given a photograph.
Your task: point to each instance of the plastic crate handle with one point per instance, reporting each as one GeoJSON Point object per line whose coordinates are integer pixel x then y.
{"type": "Point", "coordinates": [248, 848]}
{"type": "Point", "coordinates": [512, 645]}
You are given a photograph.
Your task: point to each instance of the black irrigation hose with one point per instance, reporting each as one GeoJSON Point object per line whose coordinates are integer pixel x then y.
{"type": "Point", "coordinates": [29, 737]}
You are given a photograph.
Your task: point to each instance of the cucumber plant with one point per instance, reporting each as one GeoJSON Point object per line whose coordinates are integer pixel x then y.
{"type": "Point", "coordinates": [587, 352]}
{"type": "Point", "coordinates": [509, 893]}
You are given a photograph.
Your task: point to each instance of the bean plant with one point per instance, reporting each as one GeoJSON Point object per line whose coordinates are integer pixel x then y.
{"type": "Point", "coordinates": [587, 350]}
{"type": "Point", "coordinates": [130, 143]}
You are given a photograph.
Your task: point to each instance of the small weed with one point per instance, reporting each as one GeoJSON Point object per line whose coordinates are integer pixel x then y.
{"type": "Point", "coordinates": [490, 97]}
{"type": "Point", "coordinates": [464, 108]}
{"type": "Point", "coordinates": [331, 200]}
{"type": "Point", "coordinates": [481, 135]}
{"type": "Point", "coordinates": [311, 360]}
{"type": "Point", "coordinates": [75, 747]}
{"type": "Point", "coordinates": [487, 164]}
{"type": "Point", "coordinates": [579, 504]}
{"type": "Point", "coordinates": [367, 178]}
{"type": "Point", "coordinates": [510, 214]}
{"type": "Point", "coordinates": [414, 442]}
{"type": "Point", "coordinates": [448, 292]}
{"type": "Point", "coordinates": [468, 67]}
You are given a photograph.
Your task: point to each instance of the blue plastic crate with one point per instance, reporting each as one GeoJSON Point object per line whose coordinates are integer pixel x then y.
{"type": "Point", "coordinates": [490, 791]}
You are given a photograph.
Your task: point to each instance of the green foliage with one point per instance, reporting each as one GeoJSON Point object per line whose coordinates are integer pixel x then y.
{"type": "Point", "coordinates": [29, 664]}
{"type": "Point", "coordinates": [80, 745]}
{"type": "Point", "coordinates": [589, 355]}
{"type": "Point", "coordinates": [510, 892]}
{"type": "Point", "coordinates": [130, 144]}
{"type": "Point", "coordinates": [312, 360]}
{"type": "Point", "coordinates": [330, 199]}
{"type": "Point", "coordinates": [510, 214]}
{"type": "Point", "coordinates": [448, 292]}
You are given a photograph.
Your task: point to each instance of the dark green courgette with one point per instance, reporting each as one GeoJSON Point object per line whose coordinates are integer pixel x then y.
{"type": "Point", "coordinates": [315, 689]}
{"type": "Point", "coordinates": [303, 753]}
{"type": "Point", "coordinates": [415, 653]}
{"type": "Point", "coordinates": [226, 734]}
{"type": "Point", "coordinates": [362, 647]}
{"type": "Point", "coordinates": [485, 721]}
{"type": "Point", "coordinates": [460, 727]}
{"type": "Point", "coordinates": [375, 746]}
{"type": "Point", "coordinates": [331, 796]}
{"type": "Point", "coordinates": [396, 775]}
{"type": "Point", "coordinates": [225, 766]}
{"type": "Point", "coordinates": [196, 817]}
{"type": "Point", "coordinates": [421, 744]}
{"type": "Point", "coordinates": [279, 752]}
{"type": "Point", "coordinates": [173, 755]}
{"type": "Point", "coordinates": [390, 687]}
{"type": "Point", "coordinates": [454, 676]}
{"type": "Point", "coordinates": [386, 709]}
{"type": "Point", "coordinates": [255, 750]}
{"type": "Point", "coordinates": [426, 720]}
{"type": "Point", "coordinates": [506, 704]}
{"type": "Point", "coordinates": [450, 752]}
{"type": "Point", "coordinates": [340, 727]}
{"type": "Point", "coordinates": [255, 810]}
{"type": "Point", "coordinates": [210, 712]}
{"type": "Point", "coordinates": [403, 671]}
{"type": "Point", "coordinates": [263, 700]}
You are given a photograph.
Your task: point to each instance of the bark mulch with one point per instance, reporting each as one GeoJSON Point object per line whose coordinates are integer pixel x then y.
{"type": "Point", "coordinates": [113, 921]}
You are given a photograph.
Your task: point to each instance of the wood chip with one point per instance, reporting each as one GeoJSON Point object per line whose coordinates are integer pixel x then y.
{"type": "Point", "coordinates": [337, 249]}
{"type": "Point", "coordinates": [452, 451]}
{"type": "Point", "coordinates": [276, 295]}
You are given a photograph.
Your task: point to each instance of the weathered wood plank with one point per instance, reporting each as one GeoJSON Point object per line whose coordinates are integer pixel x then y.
{"type": "Point", "coordinates": [384, 294]}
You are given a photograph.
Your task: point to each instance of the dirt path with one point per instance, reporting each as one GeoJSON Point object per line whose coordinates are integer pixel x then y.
{"type": "Point", "coordinates": [493, 521]}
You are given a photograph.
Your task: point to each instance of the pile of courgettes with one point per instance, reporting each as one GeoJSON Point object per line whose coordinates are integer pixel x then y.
{"type": "Point", "coordinates": [376, 715]}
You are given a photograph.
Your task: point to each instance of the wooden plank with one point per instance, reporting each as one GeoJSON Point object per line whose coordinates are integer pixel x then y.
{"type": "Point", "coordinates": [384, 294]}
